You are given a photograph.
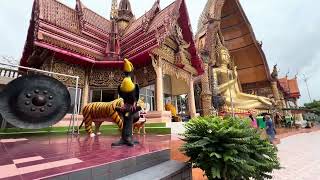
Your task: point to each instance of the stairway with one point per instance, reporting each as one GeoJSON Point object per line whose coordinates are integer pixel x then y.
{"type": "Point", "coordinates": [153, 166]}
{"type": "Point", "coordinates": [167, 170]}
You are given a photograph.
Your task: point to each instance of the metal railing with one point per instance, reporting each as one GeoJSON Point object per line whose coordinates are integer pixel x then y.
{"type": "Point", "coordinates": [9, 73]}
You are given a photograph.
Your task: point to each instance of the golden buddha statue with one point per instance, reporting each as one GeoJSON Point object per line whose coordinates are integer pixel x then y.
{"type": "Point", "coordinates": [170, 107]}
{"type": "Point", "coordinates": [229, 87]}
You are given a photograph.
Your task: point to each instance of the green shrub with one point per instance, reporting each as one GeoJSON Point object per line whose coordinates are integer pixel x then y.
{"type": "Point", "coordinates": [228, 149]}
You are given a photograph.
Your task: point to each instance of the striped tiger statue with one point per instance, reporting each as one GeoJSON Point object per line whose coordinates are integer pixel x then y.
{"type": "Point", "coordinates": [98, 112]}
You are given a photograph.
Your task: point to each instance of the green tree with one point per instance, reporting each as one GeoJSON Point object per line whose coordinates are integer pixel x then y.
{"type": "Point", "coordinates": [228, 149]}
{"type": "Point", "coordinates": [314, 106]}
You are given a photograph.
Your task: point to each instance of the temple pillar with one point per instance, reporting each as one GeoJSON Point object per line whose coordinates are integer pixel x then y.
{"type": "Point", "coordinates": [159, 89]}
{"type": "Point", "coordinates": [159, 82]}
{"type": "Point", "coordinates": [85, 93]}
{"type": "Point", "coordinates": [284, 104]}
{"type": "Point", "coordinates": [275, 91]}
{"type": "Point", "coordinates": [206, 96]}
{"type": "Point", "coordinates": [191, 100]}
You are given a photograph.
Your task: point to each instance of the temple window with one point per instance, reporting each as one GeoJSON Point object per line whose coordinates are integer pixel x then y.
{"type": "Point", "coordinates": [101, 95]}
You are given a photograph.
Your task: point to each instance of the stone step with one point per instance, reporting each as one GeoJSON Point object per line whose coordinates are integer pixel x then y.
{"type": "Point", "coordinates": [120, 168]}
{"type": "Point", "coordinates": [167, 170]}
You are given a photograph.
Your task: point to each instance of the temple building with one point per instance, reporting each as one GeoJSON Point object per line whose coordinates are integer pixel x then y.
{"type": "Point", "coordinates": [290, 92]}
{"type": "Point", "coordinates": [80, 42]}
{"type": "Point", "coordinates": [222, 67]}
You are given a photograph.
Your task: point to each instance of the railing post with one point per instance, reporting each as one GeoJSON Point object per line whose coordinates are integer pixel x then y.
{"type": "Point", "coordinates": [10, 73]}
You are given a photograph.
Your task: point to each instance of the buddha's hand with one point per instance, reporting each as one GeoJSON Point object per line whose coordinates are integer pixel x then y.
{"type": "Point", "coordinates": [235, 72]}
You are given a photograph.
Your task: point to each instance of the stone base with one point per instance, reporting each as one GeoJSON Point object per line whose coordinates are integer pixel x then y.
{"type": "Point", "coordinates": [158, 117]}
{"type": "Point", "coordinates": [151, 116]}
{"type": "Point", "coordinates": [299, 117]}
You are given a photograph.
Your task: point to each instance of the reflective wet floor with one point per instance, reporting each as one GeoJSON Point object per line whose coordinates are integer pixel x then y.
{"type": "Point", "coordinates": [45, 156]}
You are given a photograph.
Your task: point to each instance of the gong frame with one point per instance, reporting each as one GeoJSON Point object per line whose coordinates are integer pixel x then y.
{"type": "Point", "coordinates": [76, 111]}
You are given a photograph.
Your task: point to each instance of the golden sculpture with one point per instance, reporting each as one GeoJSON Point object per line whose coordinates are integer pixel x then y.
{"type": "Point", "coordinates": [229, 87]}
{"type": "Point", "coordinates": [173, 110]}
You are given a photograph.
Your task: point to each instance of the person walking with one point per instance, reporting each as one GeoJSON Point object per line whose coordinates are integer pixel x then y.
{"type": "Point", "coordinates": [270, 128]}
{"type": "Point", "coordinates": [254, 123]}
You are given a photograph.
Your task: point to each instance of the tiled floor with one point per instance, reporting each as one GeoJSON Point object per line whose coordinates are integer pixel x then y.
{"type": "Point", "coordinates": [37, 157]}
{"type": "Point", "coordinates": [299, 157]}
{"type": "Point", "coordinates": [298, 152]}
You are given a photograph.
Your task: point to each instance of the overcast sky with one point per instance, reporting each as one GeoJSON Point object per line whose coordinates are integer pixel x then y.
{"type": "Point", "coordinates": [288, 29]}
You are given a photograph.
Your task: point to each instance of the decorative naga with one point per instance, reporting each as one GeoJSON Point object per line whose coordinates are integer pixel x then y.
{"type": "Point", "coordinates": [274, 73]}
{"type": "Point", "coordinates": [229, 87]}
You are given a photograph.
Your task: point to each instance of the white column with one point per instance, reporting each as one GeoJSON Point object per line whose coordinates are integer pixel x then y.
{"type": "Point", "coordinates": [192, 104]}
{"type": "Point", "coordinates": [157, 65]}
{"type": "Point", "coordinates": [159, 88]}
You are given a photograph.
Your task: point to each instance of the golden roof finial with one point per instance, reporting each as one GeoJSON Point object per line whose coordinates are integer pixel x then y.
{"type": "Point", "coordinates": [114, 9]}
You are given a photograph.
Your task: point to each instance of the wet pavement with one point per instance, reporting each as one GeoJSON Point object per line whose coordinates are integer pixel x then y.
{"type": "Point", "coordinates": [46, 156]}
{"type": "Point", "coordinates": [299, 157]}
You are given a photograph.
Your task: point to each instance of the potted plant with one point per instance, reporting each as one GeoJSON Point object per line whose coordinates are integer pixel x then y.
{"type": "Point", "coordinates": [228, 149]}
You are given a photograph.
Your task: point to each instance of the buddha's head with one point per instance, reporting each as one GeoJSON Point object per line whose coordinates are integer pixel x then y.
{"type": "Point", "coordinates": [224, 56]}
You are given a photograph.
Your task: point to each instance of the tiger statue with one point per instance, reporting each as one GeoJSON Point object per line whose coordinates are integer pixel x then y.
{"type": "Point", "coordinates": [98, 112]}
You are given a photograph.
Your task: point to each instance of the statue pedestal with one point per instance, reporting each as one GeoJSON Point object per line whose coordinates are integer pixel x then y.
{"type": "Point", "coordinates": [299, 117]}
{"type": "Point", "coordinates": [158, 117]}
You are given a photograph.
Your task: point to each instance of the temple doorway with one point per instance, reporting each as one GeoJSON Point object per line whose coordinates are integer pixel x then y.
{"type": "Point", "coordinates": [147, 95]}
{"type": "Point", "coordinates": [175, 94]}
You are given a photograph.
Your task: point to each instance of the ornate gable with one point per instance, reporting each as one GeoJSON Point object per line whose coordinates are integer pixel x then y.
{"type": "Point", "coordinates": [169, 27]}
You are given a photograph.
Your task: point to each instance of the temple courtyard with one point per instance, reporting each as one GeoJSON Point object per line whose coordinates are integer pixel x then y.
{"type": "Point", "coordinates": [298, 151]}
{"type": "Point", "coordinates": [299, 157]}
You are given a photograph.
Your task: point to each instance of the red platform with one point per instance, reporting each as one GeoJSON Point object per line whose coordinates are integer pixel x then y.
{"type": "Point", "coordinates": [49, 156]}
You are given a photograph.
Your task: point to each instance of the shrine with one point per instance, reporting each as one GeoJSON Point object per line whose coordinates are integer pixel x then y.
{"type": "Point", "coordinates": [227, 45]}
{"type": "Point", "coordinates": [80, 42]}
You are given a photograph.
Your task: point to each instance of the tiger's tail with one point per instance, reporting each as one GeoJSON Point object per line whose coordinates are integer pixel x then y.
{"type": "Point", "coordinates": [81, 124]}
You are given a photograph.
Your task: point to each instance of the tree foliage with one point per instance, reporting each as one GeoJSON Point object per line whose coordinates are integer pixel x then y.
{"type": "Point", "coordinates": [314, 106]}
{"type": "Point", "coordinates": [228, 149]}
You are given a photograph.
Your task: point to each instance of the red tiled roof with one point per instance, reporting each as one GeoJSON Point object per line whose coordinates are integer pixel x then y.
{"type": "Point", "coordinates": [162, 16]}
{"type": "Point", "coordinates": [146, 32]}
{"type": "Point", "coordinates": [96, 20]}
{"type": "Point", "coordinates": [283, 82]}
{"type": "Point", "coordinates": [76, 32]}
{"type": "Point", "coordinates": [290, 87]}
{"type": "Point", "coordinates": [82, 34]}
{"type": "Point", "coordinates": [293, 87]}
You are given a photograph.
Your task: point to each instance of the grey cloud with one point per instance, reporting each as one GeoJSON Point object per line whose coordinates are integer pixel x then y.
{"type": "Point", "coordinates": [288, 29]}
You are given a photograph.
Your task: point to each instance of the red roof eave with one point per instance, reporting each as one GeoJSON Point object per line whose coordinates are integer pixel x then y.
{"type": "Point", "coordinates": [84, 60]}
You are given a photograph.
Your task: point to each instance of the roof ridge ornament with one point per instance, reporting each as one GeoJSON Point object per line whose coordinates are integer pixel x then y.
{"type": "Point", "coordinates": [275, 72]}
{"type": "Point", "coordinates": [114, 10]}
{"type": "Point", "coordinates": [150, 15]}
